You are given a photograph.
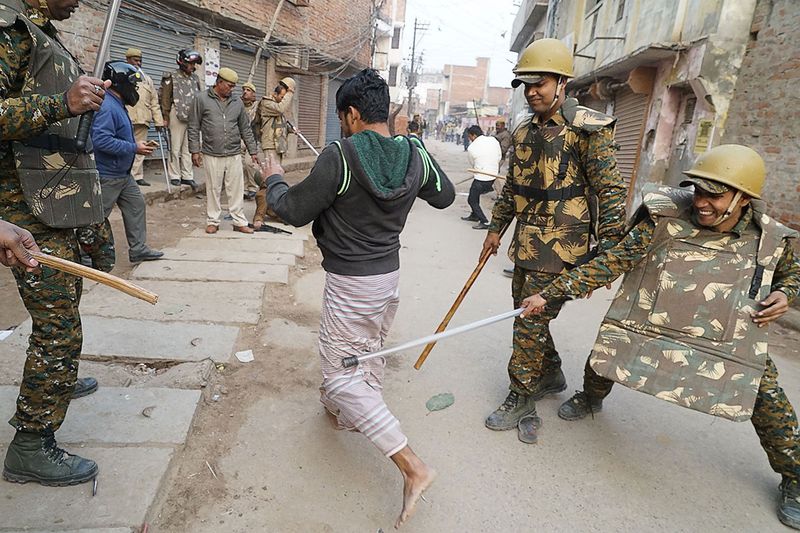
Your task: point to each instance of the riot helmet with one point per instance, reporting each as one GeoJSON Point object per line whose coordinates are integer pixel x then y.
{"type": "Point", "coordinates": [187, 57]}
{"type": "Point", "coordinates": [124, 78]}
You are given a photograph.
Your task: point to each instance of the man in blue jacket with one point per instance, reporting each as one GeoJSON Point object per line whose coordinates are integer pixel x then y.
{"type": "Point", "coordinates": [115, 149]}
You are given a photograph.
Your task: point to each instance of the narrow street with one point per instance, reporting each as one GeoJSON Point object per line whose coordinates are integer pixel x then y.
{"type": "Point", "coordinates": [279, 466]}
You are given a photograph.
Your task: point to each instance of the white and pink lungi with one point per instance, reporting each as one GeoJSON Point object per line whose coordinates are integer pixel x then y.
{"type": "Point", "coordinates": [357, 312]}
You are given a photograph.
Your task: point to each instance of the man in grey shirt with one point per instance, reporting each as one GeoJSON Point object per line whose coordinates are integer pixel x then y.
{"type": "Point", "coordinates": [224, 123]}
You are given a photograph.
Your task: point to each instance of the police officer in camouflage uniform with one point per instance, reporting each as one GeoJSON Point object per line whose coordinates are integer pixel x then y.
{"type": "Point", "coordinates": [177, 96]}
{"type": "Point", "coordinates": [562, 157]}
{"type": "Point", "coordinates": [48, 187]}
{"type": "Point", "coordinates": [688, 324]}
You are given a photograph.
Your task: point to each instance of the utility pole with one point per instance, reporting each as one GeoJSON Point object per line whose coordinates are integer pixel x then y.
{"type": "Point", "coordinates": [412, 75]}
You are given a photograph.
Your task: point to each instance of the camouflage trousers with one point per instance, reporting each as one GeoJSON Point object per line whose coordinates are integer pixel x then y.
{"type": "Point", "coordinates": [773, 418]}
{"type": "Point", "coordinates": [534, 354]}
{"type": "Point", "coordinates": [51, 297]}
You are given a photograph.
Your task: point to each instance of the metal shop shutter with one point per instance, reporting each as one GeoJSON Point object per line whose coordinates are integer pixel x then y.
{"type": "Point", "coordinates": [631, 111]}
{"type": "Point", "coordinates": [333, 130]}
{"type": "Point", "coordinates": [309, 108]}
{"type": "Point", "coordinates": [241, 61]}
{"type": "Point", "coordinates": [159, 48]}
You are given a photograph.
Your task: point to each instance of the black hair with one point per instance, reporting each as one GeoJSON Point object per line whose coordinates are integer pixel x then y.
{"type": "Point", "coordinates": [367, 92]}
{"type": "Point", "coordinates": [413, 127]}
{"type": "Point", "coordinates": [281, 86]}
{"type": "Point", "coordinates": [475, 130]}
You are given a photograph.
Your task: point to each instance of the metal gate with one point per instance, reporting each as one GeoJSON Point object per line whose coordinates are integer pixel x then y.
{"type": "Point", "coordinates": [630, 109]}
{"type": "Point", "coordinates": [333, 130]}
{"type": "Point", "coordinates": [241, 61]}
{"type": "Point", "coordinates": [309, 109]}
{"type": "Point", "coordinates": [159, 49]}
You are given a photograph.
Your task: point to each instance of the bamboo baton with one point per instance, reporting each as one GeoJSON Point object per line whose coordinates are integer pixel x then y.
{"type": "Point", "coordinates": [460, 298]}
{"type": "Point", "coordinates": [114, 282]}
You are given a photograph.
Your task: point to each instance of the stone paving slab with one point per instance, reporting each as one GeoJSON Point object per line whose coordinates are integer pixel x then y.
{"type": "Point", "coordinates": [127, 486]}
{"type": "Point", "coordinates": [263, 258]}
{"type": "Point", "coordinates": [114, 416]}
{"type": "Point", "coordinates": [296, 233]}
{"type": "Point", "coordinates": [213, 301]}
{"type": "Point", "coordinates": [147, 340]}
{"type": "Point", "coordinates": [280, 246]}
{"type": "Point", "coordinates": [215, 271]}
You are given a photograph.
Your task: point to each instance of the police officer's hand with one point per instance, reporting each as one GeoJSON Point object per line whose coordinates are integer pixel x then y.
{"type": "Point", "coordinates": [86, 94]}
{"type": "Point", "coordinates": [197, 159]}
{"type": "Point", "coordinates": [143, 148]}
{"type": "Point", "coordinates": [490, 244]}
{"type": "Point", "coordinates": [16, 245]}
{"type": "Point", "coordinates": [166, 122]}
{"type": "Point", "coordinates": [774, 306]}
{"type": "Point", "coordinates": [533, 305]}
{"type": "Point", "coordinates": [271, 167]}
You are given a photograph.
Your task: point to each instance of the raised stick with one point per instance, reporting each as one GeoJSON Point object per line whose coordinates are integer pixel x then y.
{"type": "Point", "coordinates": [460, 298]}
{"type": "Point", "coordinates": [95, 275]}
{"type": "Point", "coordinates": [492, 174]}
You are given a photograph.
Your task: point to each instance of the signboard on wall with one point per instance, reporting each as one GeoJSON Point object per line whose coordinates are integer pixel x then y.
{"type": "Point", "coordinates": [704, 130]}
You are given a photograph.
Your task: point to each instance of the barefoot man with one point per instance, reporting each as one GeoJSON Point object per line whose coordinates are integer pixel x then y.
{"type": "Point", "coordinates": [358, 195]}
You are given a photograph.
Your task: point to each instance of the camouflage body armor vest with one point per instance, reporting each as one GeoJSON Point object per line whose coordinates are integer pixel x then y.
{"type": "Point", "coordinates": [61, 185]}
{"type": "Point", "coordinates": [680, 326]}
{"type": "Point", "coordinates": [553, 202]}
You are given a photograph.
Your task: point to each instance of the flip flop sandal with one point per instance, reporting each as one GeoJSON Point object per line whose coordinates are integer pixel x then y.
{"type": "Point", "coordinates": [527, 428]}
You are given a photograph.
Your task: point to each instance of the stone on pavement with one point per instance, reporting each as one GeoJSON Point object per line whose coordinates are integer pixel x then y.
{"type": "Point", "coordinates": [275, 246]}
{"type": "Point", "coordinates": [218, 301]}
{"type": "Point", "coordinates": [115, 416]}
{"type": "Point", "coordinates": [127, 486]}
{"type": "Point", "coordinates": [214, 271]}
{"type": "Point", "coordinates": [266, 258]}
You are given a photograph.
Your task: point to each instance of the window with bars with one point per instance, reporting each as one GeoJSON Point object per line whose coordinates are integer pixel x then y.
{"type": "Point", "coordinates": [396, 38]}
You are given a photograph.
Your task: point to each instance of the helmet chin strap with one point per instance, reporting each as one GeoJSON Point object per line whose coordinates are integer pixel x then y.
{"type": "Point", "coordinates": [726, 215]}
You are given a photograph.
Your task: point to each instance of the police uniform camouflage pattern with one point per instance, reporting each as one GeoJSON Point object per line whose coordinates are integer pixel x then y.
{"type": "Point", "coordinates": [51, 297]}
{"type": "Point", "coordinates": [97, 242]}
{"type": "Point", "coordinates": [178, 90]}
{"type": "Point", "coordinates": [771, 414]}
{"type": "Point", "coordinates": [555, 171]}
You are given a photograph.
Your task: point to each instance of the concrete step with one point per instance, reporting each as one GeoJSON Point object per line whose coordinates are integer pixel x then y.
{"type": "Point", "coordinates": [261, 258]}
{"type": "Point", "coordinates": [276, 246]}
{"type": "Point", "coordinates": [143, 340]}
{"type": "Point", "coordinates": [296, 233]}
{"type": "Point", "coordinates": [222, 302]}
{"type": "Point", "coordinates": [212, 271]}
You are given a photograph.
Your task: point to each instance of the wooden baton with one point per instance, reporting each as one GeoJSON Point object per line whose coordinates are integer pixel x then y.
{"type": "Point", "coordinates": [492, 174]}
{"type": "Point", "coordinates": [114, 282]}
{"type": "Point", "coordinates": [460, 298]}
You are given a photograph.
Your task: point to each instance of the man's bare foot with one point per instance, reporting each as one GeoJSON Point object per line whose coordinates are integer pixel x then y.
{"type": "Point", "coordinates": [413, 487]}
{"type": "Point", "coordinates": [417, 476]}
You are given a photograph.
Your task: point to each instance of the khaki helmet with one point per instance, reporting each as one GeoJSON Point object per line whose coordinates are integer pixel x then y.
{"type": "Point", "coordinates": [289, 83]}
{"type": "Point", "coordinates": [733, 165]}
{"type": "Point", "coordinates": [543, 56]}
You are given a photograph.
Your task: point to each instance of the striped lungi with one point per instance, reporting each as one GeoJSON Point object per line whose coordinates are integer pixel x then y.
{"type": "Point", "coordinates": [357, 312]}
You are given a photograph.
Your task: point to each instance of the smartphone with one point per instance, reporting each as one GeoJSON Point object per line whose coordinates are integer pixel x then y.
{"type": "Point", "coordinates": [154, 144]}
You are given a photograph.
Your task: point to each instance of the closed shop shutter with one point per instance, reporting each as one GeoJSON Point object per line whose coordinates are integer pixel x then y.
{"type": "Point", "coordinates": [309, 107]}
{"type": "Point", "coordinates": [630, 109]}
{"type": "Point", "coordinates": [241, 61]}
{"type": "Point", "coordinates": [333, 130]}
{"type": "Point", "coordinates": [159, 49]}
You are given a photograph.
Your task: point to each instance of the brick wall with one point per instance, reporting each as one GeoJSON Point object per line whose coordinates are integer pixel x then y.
{"type": "Point", "coordinates": [467, 83]}
{"type": "Point", "coordinates": [340, 28]}
{"type": "Point", "coordinates": [765, 111]}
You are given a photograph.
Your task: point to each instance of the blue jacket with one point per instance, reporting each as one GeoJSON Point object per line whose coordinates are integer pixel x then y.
{"type": "Point", "coordinates": [112, 137]}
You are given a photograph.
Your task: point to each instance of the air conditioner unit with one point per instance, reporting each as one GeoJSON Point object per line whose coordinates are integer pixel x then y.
{"type": "Point", "coordinates": [292, 58]}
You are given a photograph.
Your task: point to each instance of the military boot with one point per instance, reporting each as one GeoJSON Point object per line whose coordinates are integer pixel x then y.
{"type": "Point", "coordinates": [552, 383]}
{"type": "Point", "coordinates": [36, 457]}
{"type": "Point", "coordinates": [514, 407]}
{"type": "Point", "coordinates": [84, 387]}
{"type": "Point", "coordinates": [580, 405]}
{"type": "Point", "coordinates": [789, 508]}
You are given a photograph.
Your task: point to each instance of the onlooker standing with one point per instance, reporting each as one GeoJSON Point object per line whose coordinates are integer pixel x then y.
{"type": "Point", "coordinates": [223, 122]}
{"type": "Point", "coordinates": [271, 121]}
{"type": "Point", "coordinates": [146, 110]}
{"type": "Point", "coordinates": [503, 136]}
{"type": "Point", "coordinates": [177, 92]}
{"type": "Point", "coordinates": [484, 154]}
{"type": "Point", "coordinates": [114, 150]}
{"type": "Point", "coordinates": [465, 138]}
{"type": "Point", "coordinates": [250, 169]}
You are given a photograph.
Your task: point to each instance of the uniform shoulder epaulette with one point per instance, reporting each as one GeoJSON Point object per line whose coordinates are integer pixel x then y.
{"type": "Point", "coordinates": [524, 123]}
{"type": "Point", "coordinates": [167, 75]}
{"type": "Point", "coordinates": [585, 118]}
{"type": "Point", "coordinates": [7, 17]}
{"type": "Point", "coordinates": [661, 200]}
